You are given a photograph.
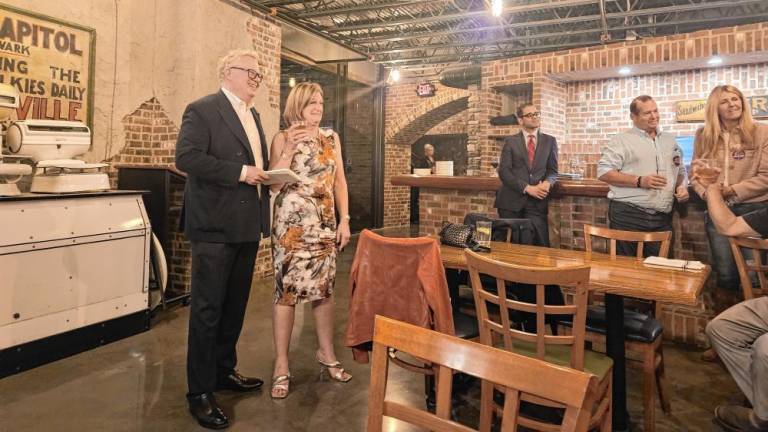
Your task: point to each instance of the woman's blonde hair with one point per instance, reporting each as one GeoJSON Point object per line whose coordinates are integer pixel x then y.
{"type": "Point", "coordinates": [713, 126]}
{"type": "Point", "coordinates": [298, 99]}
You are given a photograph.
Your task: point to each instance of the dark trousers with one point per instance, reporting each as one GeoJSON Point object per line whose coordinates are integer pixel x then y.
{"type": "Point", "coordinates": [622, 216]}
{"type": "Point", "coordinates": [538, 218]}
{"type": "Point", "coordinates": [720, 248]}
{"type": "Point", "coordinates": [221, 282]}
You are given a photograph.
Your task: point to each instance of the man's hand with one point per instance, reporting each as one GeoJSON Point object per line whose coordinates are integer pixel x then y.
{"type": "Point", "coordinates": [255, 175]}
{"type": "Point", "coordinates": [540, 191]}
{"type": "Point", "coordinates": [681, 193]}
{"type": "Point", "coordinates": [653, 181]}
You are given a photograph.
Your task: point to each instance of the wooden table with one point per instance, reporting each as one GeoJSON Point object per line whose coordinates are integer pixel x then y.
{"type": "Point", "coordinates": [617, 277]}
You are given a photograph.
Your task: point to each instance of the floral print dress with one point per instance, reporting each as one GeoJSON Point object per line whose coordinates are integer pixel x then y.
{"type": "Point", "coordinates": [304, 225]}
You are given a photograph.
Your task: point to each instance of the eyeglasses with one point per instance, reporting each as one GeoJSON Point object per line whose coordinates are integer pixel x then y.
{"type": "Point", "coordinates": [532, 115]}
{"type": "Point", "coordinates": [252, 74]}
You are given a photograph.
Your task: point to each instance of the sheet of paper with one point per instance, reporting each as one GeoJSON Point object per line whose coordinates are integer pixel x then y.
{"type": "Point", "coordinates": [281, 176]}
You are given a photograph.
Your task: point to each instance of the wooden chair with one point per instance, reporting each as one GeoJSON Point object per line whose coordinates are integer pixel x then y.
{"type": "Point", "coordinates": [757, 264]}
{"type": "Point", "coordinates": [515, 374]}
{"type": "Point", "coordinates": [565, 350]}
{"type": "Point", "coordinates": [643, 331]}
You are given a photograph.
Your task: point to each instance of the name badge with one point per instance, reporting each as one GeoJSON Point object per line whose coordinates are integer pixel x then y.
{"type": "Point", "coordinates": [738, 155]}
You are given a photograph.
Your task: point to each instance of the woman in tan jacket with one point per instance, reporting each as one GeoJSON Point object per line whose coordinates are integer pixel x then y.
{"type": "Point", "coordinates": [738, 146]}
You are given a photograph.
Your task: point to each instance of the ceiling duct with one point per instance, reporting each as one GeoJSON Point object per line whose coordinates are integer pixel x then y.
{"type": "Point", "coordinates": [461, 78]}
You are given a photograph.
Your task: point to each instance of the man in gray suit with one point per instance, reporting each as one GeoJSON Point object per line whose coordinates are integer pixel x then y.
{"type": "Point", "coordinates": [527, 170]}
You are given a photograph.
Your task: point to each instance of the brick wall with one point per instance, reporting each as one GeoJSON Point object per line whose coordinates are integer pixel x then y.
{"type": "Point", "coordinates": [407, 118]}
{"type": "Point", "coordinates": [150, 141]}
{"type": "Point", "coordinates": [597, 110]}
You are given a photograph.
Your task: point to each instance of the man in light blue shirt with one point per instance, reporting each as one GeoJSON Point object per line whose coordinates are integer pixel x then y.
{"type": "Point", "coordinates": [643, 167]}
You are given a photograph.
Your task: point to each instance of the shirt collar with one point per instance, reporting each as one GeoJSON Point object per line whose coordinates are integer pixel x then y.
{"type": "Point", "coordinates": [636, 130]}
{"type": "Point", "coordinates": [234, 100]}
{"type": "Point", "coordinates": [535, 134]}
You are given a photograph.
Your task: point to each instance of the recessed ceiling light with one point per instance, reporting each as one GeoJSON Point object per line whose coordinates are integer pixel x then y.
{"type": "Point", "coordinates": [394, 75]}
{"type": "Point", "coordinates": [497, 6]}
{"type": "Point", "coordinates": [714, 61]}
{"type": "Point", "coordinates": [291, 82]}
{"type": "Point", "coordinates": [625, 70]}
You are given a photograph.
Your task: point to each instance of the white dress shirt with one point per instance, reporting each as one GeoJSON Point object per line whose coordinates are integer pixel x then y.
{"type": "Point", "coordinates": [243, 112]}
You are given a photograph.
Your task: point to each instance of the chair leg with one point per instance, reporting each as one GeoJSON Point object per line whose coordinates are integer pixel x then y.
{"type": "Point", "coordinates": [486, 406]}
{"type": "Point", "coordinates": [662, 385]}
{"type": "Point", "coordinates": [607, 423]}
{"type": "Point", "coordinates": [649, 393]}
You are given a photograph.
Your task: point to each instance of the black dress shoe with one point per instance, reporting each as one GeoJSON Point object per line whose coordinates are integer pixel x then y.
{"type": "Point", "coordinates": [207, 412]}
{"type": "Point", "coordinates": [235, 381]}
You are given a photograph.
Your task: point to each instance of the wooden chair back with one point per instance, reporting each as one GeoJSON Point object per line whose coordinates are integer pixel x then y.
{"type": "Point", "coordinates": [613, 235]}
{"type": "Point", "coordinates": [576, 277]}
{"type": "Point", "coordinates": [757, 263]}
{"type": "Point", "coordinates": [516, 374]}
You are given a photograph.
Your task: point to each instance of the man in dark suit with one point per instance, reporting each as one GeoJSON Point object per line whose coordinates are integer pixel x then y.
{"type": "Point", "coordinates": [527, 170]}
{"type": "Point", "coordinates": [222, 148]}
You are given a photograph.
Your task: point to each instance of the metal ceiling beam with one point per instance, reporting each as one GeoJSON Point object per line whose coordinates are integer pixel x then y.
{"type": "Point", "coordinates": [449, 58]}
{"type": "Point", "coordinates": [278, 3]}
{"type": "Point", "coordinates": [615, 15]}
{"type": "Point", "coordinates": [459, 15]}
{"type": "Point", "coordinates": [468, 57]}
{"type": "Point", "coordinates": [363, 8]}
{"type": "Point", "coordinates": [564, 34]}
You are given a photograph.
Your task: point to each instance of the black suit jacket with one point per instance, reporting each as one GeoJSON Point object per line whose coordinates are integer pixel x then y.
{"type": "Point", "coordinates": [212, 148]}
{"type": "Point", "coordinates": [515, 172]}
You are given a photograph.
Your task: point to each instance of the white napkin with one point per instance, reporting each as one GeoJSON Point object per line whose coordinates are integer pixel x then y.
{"type": "Point", "coordinates": [675, 263]}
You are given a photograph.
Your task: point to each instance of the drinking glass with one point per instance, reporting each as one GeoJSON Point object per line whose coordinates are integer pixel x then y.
{"type": "Point", "coordinates": [483, 233]}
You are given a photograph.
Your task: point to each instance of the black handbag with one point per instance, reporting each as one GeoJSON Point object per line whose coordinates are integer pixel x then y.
{"type": "Point", "coordinates": [457, 235]}
{"type": "Point", "coordinates": [460, 235]}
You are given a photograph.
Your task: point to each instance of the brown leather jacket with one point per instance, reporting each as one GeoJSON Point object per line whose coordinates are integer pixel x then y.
{"type": "Point", "coordinates": [400, 278]}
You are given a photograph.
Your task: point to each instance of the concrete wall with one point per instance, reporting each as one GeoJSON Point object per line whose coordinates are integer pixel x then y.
{"type": "Point", "coordinates": [160, 49]}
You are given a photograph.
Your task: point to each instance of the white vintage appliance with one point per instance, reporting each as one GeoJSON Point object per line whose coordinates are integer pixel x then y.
{"type": "Point", "coordinates": [74, 274]}
{"type": "Point", "coordinates": [10, 172]}
{"type": "Point", "coordinates": [53, 144]}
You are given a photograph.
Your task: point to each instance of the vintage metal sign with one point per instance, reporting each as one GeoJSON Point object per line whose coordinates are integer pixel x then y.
{"type": "Point", "coordinates": [693, 110]}
{"type": "Point", "coordinates": [50, 62]}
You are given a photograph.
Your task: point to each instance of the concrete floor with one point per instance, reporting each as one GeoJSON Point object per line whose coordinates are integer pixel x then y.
{"type": "Point", "coordinates": [138, 384]}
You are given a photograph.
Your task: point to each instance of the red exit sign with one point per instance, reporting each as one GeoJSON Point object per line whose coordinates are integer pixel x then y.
{"type": "Point", "coordinates": [425, 90]}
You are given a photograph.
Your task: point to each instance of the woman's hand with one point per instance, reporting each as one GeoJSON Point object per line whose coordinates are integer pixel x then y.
{"type": "Point", "coordinates": [342, 234]}
{"type": "Point", "coordinates": [294, 135]}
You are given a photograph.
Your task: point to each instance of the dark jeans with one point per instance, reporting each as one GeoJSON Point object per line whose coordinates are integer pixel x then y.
{"type": "Point", "coordinates": [720, 248]}
{"type": "Point", "coordinates": [221, 282]}
{"type": "Point", "coordinates": [622, 216]}
{"type": "Point", "coordinates": [537, 217]}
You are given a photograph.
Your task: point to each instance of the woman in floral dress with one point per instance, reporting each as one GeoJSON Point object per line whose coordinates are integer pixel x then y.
{"type": "Point", "coordinates": [305, 235]}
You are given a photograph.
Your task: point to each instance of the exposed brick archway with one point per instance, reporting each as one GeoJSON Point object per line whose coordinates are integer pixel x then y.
{"type": "Point", "coordinates": [422, 122]}
{"type": "Point", "coordinates": [413, 117]}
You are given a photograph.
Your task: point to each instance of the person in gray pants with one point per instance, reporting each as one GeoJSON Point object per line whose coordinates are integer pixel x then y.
{"type": "Point", "coordinates": [740, 334]}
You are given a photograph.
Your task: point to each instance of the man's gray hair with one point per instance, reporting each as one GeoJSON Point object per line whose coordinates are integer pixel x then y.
{"type": "Point", "coordinates": [226, 61]}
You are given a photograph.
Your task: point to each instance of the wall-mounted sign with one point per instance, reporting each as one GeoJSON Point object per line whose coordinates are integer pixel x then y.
{"type": "Point", "coordinates": [425, 90]}
{"type": "Point", "coordinates": [693, 110]}
{"type": "Point", "coordinates": [50, 63]}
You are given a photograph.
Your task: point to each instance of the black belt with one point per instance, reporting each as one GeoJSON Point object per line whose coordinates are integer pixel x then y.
{"type": "Point", "coordinates": [647, 211]}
